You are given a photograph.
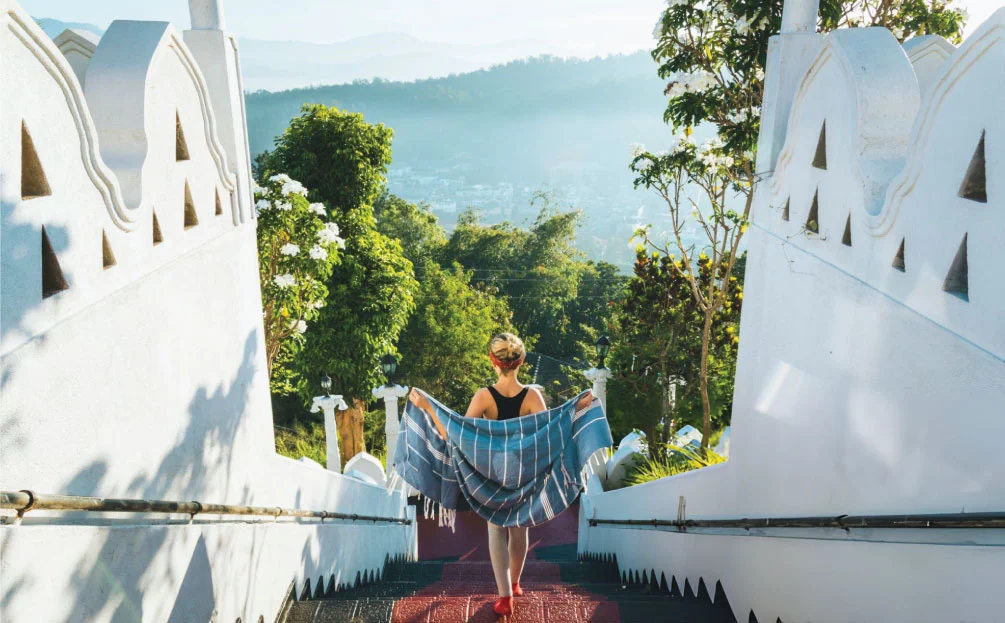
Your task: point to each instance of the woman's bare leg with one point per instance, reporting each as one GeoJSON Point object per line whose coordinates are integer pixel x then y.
{"type": "Point", "coordinates": [500, 554]}
{"type": "Point", "coordinates": [517, 552]}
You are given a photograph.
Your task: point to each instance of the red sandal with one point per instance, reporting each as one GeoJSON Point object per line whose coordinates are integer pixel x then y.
{"type": "Point", "coordinates": [517, 590]}
{"type": "Point", "coordinates": [503, 607]}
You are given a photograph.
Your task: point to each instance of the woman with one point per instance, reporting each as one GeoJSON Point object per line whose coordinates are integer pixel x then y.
{"type": "Point", "coordinates": [504, 400]}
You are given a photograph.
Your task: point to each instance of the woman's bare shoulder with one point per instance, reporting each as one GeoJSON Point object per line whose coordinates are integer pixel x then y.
{"type": "Point", "coordinates": [534, 401]}
{"type": "Point", "coordinates": [479, 402]}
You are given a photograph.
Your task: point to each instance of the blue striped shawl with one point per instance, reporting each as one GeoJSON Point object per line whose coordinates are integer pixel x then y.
{"type": "Point", "coordinates": [518, 472]}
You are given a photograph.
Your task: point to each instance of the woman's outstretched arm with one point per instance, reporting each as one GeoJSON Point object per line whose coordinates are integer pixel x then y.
{"type": "Point", "coordinates": [422, 402]}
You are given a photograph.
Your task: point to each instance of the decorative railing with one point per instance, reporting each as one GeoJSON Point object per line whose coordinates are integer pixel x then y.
{"type": "Point", "coordinates": [844, 522]}
{"type": "Point", "coordinates": [25, 501]}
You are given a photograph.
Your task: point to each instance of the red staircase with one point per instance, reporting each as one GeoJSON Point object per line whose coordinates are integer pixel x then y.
{"type": "Point", "coordinates": [452, 582]}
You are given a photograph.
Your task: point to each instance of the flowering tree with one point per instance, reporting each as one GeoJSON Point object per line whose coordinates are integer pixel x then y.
{"type": "Point", "coordinates": [297, 251]}
{"type": "Point", "coordinates": [712, 54]}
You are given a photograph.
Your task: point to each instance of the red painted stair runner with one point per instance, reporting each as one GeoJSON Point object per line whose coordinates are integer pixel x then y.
{"type": "Point", "coordinates": [468, 590]}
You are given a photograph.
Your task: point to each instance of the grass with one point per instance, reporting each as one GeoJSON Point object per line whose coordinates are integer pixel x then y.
{"type": "Point", "coordinates": [308, 439]}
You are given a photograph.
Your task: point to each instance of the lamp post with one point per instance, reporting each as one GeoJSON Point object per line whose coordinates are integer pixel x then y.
{"type": "Point", "coordinates": [600, 374]}
{"type": "Point", "coordinates": [328, 403]}
{"type": "Point", "coordinates": [390, 393]}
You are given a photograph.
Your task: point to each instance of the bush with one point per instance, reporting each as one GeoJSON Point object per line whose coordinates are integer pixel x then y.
{"type": "Point", "coordinates": [677, 460]}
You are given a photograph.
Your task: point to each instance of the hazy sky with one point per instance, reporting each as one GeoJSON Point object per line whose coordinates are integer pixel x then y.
{"type": "Point", "coordinates": [586, 27]}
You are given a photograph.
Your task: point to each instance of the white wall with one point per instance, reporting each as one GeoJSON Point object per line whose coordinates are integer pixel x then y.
{"type": "Point", "coordinates": [146, 379]}
{"type": "Point", "coordinates": [861, 389]}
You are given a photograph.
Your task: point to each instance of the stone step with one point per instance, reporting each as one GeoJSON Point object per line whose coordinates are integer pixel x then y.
{"type": "Point", "coordinates": [555, 592]}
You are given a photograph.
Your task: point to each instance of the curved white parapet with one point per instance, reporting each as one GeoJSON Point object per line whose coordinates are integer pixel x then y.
{"type": "Point", "coordinates": [367, 468]}
{"type": "Point", "coordinates": [630, 451]}
{"type": "Point", "coordinates": [927, 55]}
{"type": "Point", "coordinates": [78, 46]}
{"type": "Point", "coordinates": [142, 84]}
{"type": "Point", "coordinates": [132, 360]}
{"type": "Point", "coordinates": [635, 439]}
{"type": "Point", "coordinates": [860, 339]}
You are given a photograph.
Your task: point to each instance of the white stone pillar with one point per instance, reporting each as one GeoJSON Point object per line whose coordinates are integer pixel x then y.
{"type": "Point", "coordinates": [328, 404]}
{"type": "Point", "coordinates": [789, 56]}
{"type": "Point", "coordinates": [390, 395]}
{"type": "Point", "coordinates": [599, 377]}
{"type": "Point", "coordinates": [799, 16]}
{"type": "Point", "coordinates": [206, 14]}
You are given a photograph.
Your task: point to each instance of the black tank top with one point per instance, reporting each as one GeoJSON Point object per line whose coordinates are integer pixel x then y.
{"type": "Point", "coordinates": [508, 408]}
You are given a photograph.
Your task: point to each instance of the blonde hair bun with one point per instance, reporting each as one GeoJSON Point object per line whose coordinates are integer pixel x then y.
{"type": "Point", "coordinates": [507, 347]}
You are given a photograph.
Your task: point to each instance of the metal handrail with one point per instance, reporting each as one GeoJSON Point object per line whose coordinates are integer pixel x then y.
{"type": "Point", "coordinates": [844, 522]}
{"type": "Point", "coordinates": [25, 501]}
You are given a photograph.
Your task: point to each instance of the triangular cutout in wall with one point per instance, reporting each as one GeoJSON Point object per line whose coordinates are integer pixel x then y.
{"type": "Point", "coordinates": [107, 257]}
{"type": "Point", "coordinates": [813, 220]}
{"type": "Point", "coordinates": [219, 206]}
{"type": "Point", "coordinates": [53, 281]}
{"type": "Point", "coordinates": [191, 219]}
{"type": "Point", "coordinates": [974, 186]}
{"type": "Point", "coordinates": [898, 260]}
{"type": "Point", "coordinates": [158, 236]}
{"type": "Point", "coordinates": [958, 280]}
{"type": "Point", "coordinates": [180, 145]}
{"type": "Point", "coordinates": [33, 180]}
{"type": "Point", "coordinates": [846, 238]}
{"type": "Point", "coordinates": [785, 210]}
{"type": "Point", "coordinates": [820, 157]}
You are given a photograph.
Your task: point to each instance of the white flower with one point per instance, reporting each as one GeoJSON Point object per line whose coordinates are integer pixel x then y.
{"type": "Point", "coordinates": [759, 75]}
{"type": "Point", "coordinates": [290, 249]}
{"type": "Point", "coordinates": [299, 326]}
{"type": "Point", "coordinates": [964, 15]}
{"type": "Point", "coordinates": [675, 90]}
{"type": "Point", "coordinates": [673, 3]}
{"type": "Point", "coordinates": [318, 304]}
{"type": "Point", "coordinates": [748, 155]}
{"type": "Point", "coordinates": [294, 186]}
{"type": "Point", "coordinates": [644, 164]}
{"type": "Point", "coordinates": [742, 26]}
{"type": "Point", "coordinates": [318, 208]}
{"type": "Point", "coordinates": [638, 149]}
{"type": "Point", "coordinates": [727, 161]}
{"type": "Point", "coordinates": [285, 206]}
{"type": "Point", "coordinates": [280, 177]}
{"type": "Point", "coordinates": [285, 281]}
{"type": "Point", "coordinates": [898, 32]}
{"type": "Point", "coordinates": [709, 159]}
{"type": "Point", "coordinates": [318, 253]}
{"type": "Point", "coordinates": [263, 205]}
{"type": "Point", "coordinates": [329, 234]}
{"type": "Point", "coordinates": [256, 189]}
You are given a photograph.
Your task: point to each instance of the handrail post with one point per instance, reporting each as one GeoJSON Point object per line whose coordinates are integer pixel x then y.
{"type": "Point", "coordinates": [328, 404]}
{"type": "Point", "coordinates": [390, 395]}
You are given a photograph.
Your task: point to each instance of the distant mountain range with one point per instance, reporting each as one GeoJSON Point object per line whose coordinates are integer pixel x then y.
{"type": "Point", "coordinates": [491, 138]}
{"type": "Point", "coordinates": [280, 65]}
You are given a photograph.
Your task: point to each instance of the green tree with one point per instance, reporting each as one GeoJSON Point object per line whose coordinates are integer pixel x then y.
{"type": "Point", "coordinates": [297, 251]}
{"type": "Point", "coordinates": [712, 53]}
{"type": "Point", "coordinates": [446, 342]}
{"type": "Point", "coordinates": [658, 348]}
{"type": "Point", "coordinates": [344, 161]}
{"type": "Point", "coordinates": [538, 270]}
{"type": "Point", "coordinates": [415, 227]}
